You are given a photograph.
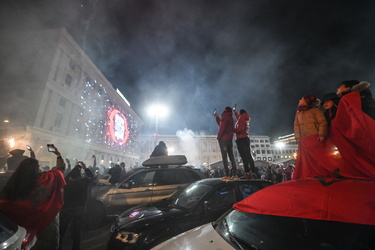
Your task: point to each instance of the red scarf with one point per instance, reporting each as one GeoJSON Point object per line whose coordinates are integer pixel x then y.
{"type": "Point", "coordinates": [304, 107]}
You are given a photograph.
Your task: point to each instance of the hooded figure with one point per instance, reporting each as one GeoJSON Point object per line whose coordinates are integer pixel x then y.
{"type": "Point", "coordinates": [243, 142]}
{"type": "Point", "coordinates": [225, 137]}
{"type": "Point", "coordinates": [160, 150]}
{"type": "Point", "coordinates": [367, 102]}
{"type": "Point", "coordinates": [310, 119]}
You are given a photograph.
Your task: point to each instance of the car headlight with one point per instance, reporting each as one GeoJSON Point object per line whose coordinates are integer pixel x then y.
{"type": "Point", "coordinates": [127, 237]}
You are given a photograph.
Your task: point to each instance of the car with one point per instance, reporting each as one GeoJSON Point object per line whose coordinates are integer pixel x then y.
{"type": "Point", "coordinates": [203, 201]}
{"type": "Point", "coordinates": [13, 236]}
{"type": "Point", "coordinates": [300, 214]}
{"type": "Point", "coordinates": [159, 180]}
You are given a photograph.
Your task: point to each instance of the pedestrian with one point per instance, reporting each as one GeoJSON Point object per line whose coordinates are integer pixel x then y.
{"type": "Point", "coordinates": [243, 142]}
{"type": "Point", "coordinates": [123, 171]}
{"type": "Point", "coordinates": [75, 197]}
{"type": "Point", "coordinates": [353, 130]}
{"type": "Point", "coordinates": [225, 139]}
{"type": "Point", "coordinates": [311, 130]}
{"type": "Point", "coordinates": [330, 101]}
{"type": "Point", "coordinates": [33, 199]}
{"type": "Point", "coordinates": [309, 119]}
{"type": "Point", "coordinates": [160, 150]}
{"type": "Point", "coordinates": [115, 173]}
{"type": "Point", "coordinates": [17, 156]}
{"type": "Point", "coordinates": [367, 102]}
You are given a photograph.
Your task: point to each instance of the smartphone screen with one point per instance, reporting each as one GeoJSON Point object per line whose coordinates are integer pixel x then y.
{"type": "Point", "coordinates": [51, 147]}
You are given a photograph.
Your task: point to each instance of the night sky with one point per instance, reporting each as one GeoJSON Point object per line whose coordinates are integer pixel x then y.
{"type": "Point", "coordinates": [195, 56]}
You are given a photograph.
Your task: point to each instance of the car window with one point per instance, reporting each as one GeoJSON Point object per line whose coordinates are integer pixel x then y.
{"type": "Point", "coordinates": [186, 176]}
{"type": "Point", "coordinates": [142, 179]}
{"type": "Point", "coordinates": [222, 196]}
{"type": "Point", "coordinates": [248, 189]}
{"type": "Point", "coordinates": [277, 232]}
{"type": "Point", "coordinates": [165, 177]}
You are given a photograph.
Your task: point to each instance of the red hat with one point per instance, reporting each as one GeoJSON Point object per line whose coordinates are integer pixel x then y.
{"type": "Point", "coordinates": [309, 99]}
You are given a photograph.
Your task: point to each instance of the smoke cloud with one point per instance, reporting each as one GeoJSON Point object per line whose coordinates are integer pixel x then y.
{"type": "Point", "coordinates": [195, 56]}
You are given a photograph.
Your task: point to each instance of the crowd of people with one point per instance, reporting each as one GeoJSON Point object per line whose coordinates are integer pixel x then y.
{"type": "Point", "coordinates": [48, 201]}
{"type": "Point", "coordinates": [318, 133]}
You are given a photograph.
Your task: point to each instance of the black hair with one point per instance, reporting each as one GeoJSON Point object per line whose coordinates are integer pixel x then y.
{"type": "Point", "coordinates": [23, 181]}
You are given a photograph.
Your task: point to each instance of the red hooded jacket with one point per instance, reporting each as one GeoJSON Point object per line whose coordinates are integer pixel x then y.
{"type": "Point", "coordinates": [226, 126]}
{"type": "Point", "coordinates": [242, 125]}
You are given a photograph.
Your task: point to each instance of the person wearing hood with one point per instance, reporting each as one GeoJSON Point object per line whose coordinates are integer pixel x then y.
{"type": "Point", "coordinates": [309, 119]}
{"type": "Point", "coordinates": [225, 137]}
{"type": "Point", "coordinates": [243, 142]}
{"type": "Point", "coordinates": [160, 150]}
{"type": "Point", "coordinates": [367, 102]}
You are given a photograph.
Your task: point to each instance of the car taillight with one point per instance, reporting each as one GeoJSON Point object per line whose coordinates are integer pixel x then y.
{"type": "Point", "coordinates": [29, 240]}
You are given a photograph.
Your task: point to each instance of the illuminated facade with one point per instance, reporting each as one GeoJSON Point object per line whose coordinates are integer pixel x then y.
{"type": "Point", "coordinates": [51, 92]}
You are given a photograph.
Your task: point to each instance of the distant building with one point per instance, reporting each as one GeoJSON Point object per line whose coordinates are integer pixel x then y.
{"type": "Point", "coordinates": [51, 92]}
{"type": "Point", "coordinates": [284, 148]}
{"type": "Point", "coordinates": [204, 150]}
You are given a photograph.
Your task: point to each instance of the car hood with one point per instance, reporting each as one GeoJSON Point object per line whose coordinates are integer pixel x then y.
{"type": "Point", "coordinates": [137, 216]}
{"type": "Point", "coordinates": [202, 237]}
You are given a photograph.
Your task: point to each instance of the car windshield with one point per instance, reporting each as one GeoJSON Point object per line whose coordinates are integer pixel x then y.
{"type": "Point", "coordinates": [190, 196]}
{"type": "Point", "coordinates": [258, 231]}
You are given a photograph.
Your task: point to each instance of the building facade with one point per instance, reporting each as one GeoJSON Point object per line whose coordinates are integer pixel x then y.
{"type": "Point", "coordinates": [51, 92]}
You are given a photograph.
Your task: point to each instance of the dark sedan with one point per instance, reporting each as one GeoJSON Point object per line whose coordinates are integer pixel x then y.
{"type": "Point", "coordinates": [201, 202]}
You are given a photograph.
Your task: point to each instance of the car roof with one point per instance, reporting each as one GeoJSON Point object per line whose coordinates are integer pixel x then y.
{"type": "Point", "coordinates": [165, 160]}
{"type": "Point", "coordinates": [342, 200]}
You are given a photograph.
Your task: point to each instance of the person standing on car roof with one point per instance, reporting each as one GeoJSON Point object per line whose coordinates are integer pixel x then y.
{"type": "Point", "coordinates": [160, 150]}
{"type": "Point", "coordinates": [243, 142]}
{"type": "Point", "coordinates": [225, 137]}
{"type": "Point", "coordinates": [75, 197]}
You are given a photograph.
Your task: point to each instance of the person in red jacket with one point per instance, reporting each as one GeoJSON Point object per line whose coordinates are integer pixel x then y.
{"type": "Point", "coordinates": [225, 137]}
{"type": "Point", "coordinates": [243, 142]}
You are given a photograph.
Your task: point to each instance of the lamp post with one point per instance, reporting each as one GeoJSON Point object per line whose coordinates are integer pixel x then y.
{"type": "Point", "coordinates": [158, 110]}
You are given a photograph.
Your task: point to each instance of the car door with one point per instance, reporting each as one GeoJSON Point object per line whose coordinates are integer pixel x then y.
{"type": "Point", "coordinates": [135, 190]}
{"type": "Point", "coordinates": [165, 184]}
{"type": "Point", "coordinates": [219, 201]}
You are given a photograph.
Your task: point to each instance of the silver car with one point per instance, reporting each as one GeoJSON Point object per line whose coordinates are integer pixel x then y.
{"type": "Point", "coordinates": [13, 236]}
{"type": "Point", "coordinates": [147, 185]}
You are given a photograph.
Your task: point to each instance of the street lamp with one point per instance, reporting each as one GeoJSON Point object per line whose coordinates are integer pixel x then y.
{"type": "Point", "coordinates": [158, 110]}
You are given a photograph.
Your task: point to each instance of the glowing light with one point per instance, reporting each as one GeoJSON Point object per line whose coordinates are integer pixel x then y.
{"type": "Point", "coordinates": [280, 144]}
{"type": "Point", "coordinates": [170, 150]}
{"type": "Point", "coordinates": [11, 142]}
{"type": "Point", "coordinates": [6, 121]}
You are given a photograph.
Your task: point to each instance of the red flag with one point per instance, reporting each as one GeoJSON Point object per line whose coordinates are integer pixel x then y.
{"type": "Point", "coordinates": [351, 201]}
{"type": "Point", "coordinates": [38, 210]}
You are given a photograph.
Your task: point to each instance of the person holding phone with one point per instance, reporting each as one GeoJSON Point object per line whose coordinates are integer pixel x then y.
{"type": "Point", "coordinates": [32, 199]}
{"type": "Point", "coordinates": [75, 197]}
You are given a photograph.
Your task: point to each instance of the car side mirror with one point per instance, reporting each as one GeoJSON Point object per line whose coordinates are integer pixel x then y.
{"type": "Point", "coordinates": [128, 184]}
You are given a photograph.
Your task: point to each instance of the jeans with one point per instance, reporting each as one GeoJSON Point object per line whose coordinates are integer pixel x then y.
{"type": "Point", "coordinates": [73, 216]}
{"type": "Point", "coordinates": [243, 145]}
{"type": "Point", "coordinates": [226, 148]}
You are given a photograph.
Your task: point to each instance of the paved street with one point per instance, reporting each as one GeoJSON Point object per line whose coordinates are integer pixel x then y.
{"type": "Point", "coordinates": [91, 240]}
